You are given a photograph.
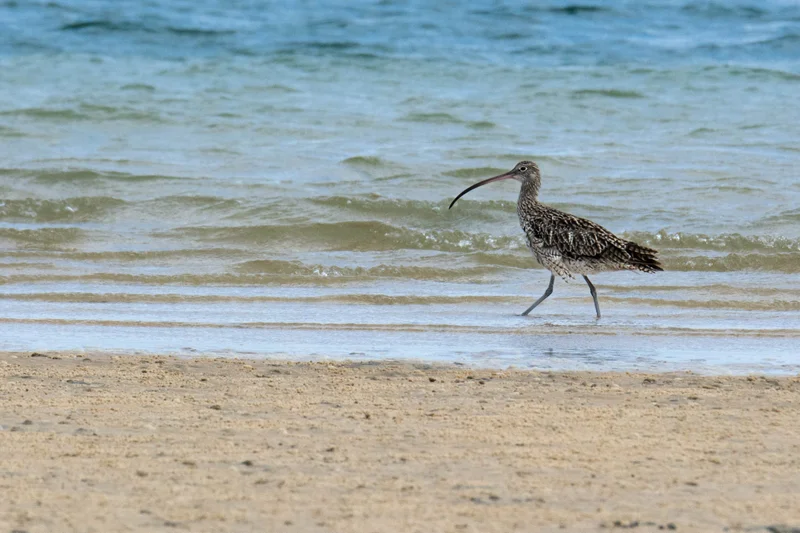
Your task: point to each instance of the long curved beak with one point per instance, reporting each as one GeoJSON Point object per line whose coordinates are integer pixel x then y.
{"type": "Point", "coordinates": [506, 176]}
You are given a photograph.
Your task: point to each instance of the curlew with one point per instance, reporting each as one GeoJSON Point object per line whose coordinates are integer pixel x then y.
{"type": "Point", "coordinates": [565, 244]}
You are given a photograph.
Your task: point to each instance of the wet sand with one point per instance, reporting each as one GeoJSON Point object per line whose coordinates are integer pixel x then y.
{"type": "Point", "coordinates": [144, 443]}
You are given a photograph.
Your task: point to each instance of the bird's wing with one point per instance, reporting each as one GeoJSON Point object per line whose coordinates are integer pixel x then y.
{"type": "Point", "coordinates": [574, 237]}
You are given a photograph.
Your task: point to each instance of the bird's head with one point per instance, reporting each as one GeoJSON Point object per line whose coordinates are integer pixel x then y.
{"type": "Point", "coordinates": [522, 171]}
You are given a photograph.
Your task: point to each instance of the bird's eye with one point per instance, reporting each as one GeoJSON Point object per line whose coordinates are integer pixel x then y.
{"type": "Point", "coordinates": [523, 169]}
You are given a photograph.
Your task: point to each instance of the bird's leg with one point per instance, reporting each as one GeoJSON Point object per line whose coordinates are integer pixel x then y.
{"type": "Point", "coordinates": [547, 293]}
{"type": "Point", "coordinates": [594, 296]}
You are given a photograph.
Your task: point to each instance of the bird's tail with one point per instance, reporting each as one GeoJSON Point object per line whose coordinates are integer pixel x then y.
{"type": "Point", "coordinates": [643, 258]}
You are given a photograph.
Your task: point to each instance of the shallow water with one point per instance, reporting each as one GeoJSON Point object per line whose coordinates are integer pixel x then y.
{"type": "Point", "coordinates": [212, 177]}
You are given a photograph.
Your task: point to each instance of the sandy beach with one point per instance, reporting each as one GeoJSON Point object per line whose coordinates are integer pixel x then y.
{"type": "Point", "coordinates": [146, 443]}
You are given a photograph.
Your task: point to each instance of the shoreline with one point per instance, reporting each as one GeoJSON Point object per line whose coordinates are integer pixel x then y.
{"type": "Point", "coordinates": [488, 340]}
{"type": "Point", "coordinates": [142, 442]}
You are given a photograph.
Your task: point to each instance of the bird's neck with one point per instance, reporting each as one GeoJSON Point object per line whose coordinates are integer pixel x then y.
{"type": "Point", "coordinates": [529, 192]}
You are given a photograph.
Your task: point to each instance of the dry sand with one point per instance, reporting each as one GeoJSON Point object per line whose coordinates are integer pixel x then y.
{"type": "Point", "coordinates": [131, 443]}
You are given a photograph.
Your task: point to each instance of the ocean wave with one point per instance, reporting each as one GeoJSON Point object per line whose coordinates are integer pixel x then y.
{"type": "Point", "coordinates": [414, 211]}
{"type": "Point", "coordinates": [785, 217]}
{"type": "Point", "coordinates": [481, 125]}
{"type": "Point", "coordinates": [715, 296]}
{"type": "Point", "coordinates": [739, 305]}
{"type": "Point", "coordinates": [199, 202]}
{"type": "Point", "coordinates": [351, 236]}
{"type": "Point", "coordinates": [388, 207]}
{"type": "Point", "coordinates": [373, 235]}
{"type": "Point", "coordinates": [475, 172]}
{"type": "Point", "coordinates": [476, 265]}
{"type": "Point", "coordinates": [83, 176]}
{"type": "Point", "coordinates": [268, 272]}
{"type": "Point", "coordinates": [788, 263]}
{"type": "Point", "coordinates": [722, 9]}
{"type": "Point", "coordinates": [68, 210]}
{"type": "Point", "coordinates": [5, 131]}
{"type": "Point", "coordinates": [146, 87]}
{"type": "Point", "coordinates": [781, 262]}
{"type": "Point", "coordinates": [297, 269]}
{"type": "Point", "coordinates": [788, 40]}
{"type": "Point", "coordinates": [103, 25]}
{"type": "Point", "coordinates": [389, 225]}
{"type": "Point", "coordinates": [85, 111]}
{"type": "Point", "coordinates": [433, 118]}
{"type": "Point", "coordinates": [611, 93]}
{"type": "Point", "coordinates": [364, 160]}
{"type": "Point", "coordinates": [729, 242]}
{"type": "Point", "coordinates": [125, 26]}
{"type": "Point", "coordinates": [352, 299]}
{"type": "Point", "coordinates": [44, 113]}
{"type": "Point", "coordinates": [352, 50]}
{"type": "Point", "coordinates": [720, 289]}
{"type": "Point", "coordinates": [758, 73]}
{"type": "Point", "coordinates": [179, 255]}
{"type": "Point", "coordinates": [578, 9]}
{"type": "Point", "coordinates": [747, 304]}
{"type": "Point", "coordinates": [42, 237]}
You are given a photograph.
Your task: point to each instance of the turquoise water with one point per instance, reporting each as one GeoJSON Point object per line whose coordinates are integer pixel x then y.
{"type": "Point", "coordinates": [272, 180]}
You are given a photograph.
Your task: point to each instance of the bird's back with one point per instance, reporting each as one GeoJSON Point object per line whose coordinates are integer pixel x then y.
{"type": "Point", "coordinates": [567, 244]}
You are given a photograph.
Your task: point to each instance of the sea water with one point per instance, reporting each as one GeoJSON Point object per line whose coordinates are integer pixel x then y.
{"type": "Point", "coordinates": [271, 179]}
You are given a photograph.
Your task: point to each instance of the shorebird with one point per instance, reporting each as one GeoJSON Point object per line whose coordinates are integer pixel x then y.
{"type": "Point", "coordinates": [565, 244]}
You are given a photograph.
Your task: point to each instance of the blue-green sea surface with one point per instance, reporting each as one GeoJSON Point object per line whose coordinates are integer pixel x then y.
{"type": "Point", "coordinates": [272, 179]}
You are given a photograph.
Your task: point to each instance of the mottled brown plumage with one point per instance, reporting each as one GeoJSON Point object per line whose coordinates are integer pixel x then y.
{"type": "Point", "coordinates": [565, 244]}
